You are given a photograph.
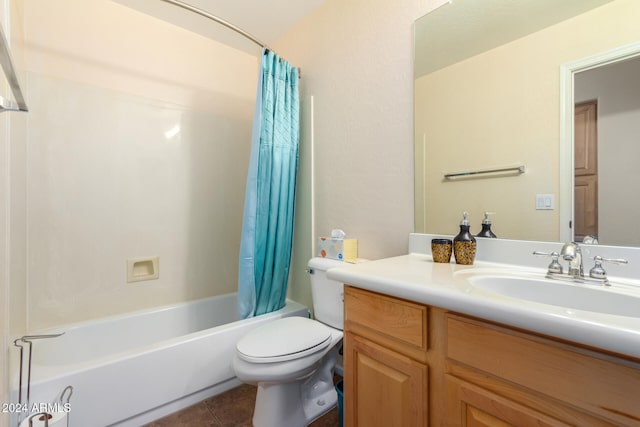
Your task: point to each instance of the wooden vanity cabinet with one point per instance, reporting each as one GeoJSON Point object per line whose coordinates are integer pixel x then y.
{"type": "Point", "coordinates": [386, 375]}
{"type": "Point", "coordinates": [407, 364]}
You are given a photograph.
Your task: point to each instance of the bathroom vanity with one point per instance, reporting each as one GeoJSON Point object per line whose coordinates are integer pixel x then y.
{"type": "Point", "coordinates": [424, 346]}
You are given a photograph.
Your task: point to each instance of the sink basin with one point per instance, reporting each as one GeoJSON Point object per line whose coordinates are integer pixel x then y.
{"type": "Point", "coordinates": [567, 295]}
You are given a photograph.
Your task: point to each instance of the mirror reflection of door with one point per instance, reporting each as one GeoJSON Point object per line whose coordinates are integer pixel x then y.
{"type": "Point", "coordinates": [586, 170]}
{"type": "Point", "coordinates": [616, 86]}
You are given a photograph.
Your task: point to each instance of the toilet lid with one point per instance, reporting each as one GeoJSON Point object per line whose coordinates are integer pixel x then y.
{"type": "Point", "coordinates": [284, 339]}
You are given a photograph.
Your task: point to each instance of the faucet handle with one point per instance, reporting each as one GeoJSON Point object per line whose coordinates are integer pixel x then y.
{"type": "Point", "coordinates": [554, 267]}
{"type": "Point", "coordinates": [598, 272]}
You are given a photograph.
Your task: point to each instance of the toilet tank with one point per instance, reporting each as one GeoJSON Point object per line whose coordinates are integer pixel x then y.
{"type": "Point", "coordinates": [327, 294]}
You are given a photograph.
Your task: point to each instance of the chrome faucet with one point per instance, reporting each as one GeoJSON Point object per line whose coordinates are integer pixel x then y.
{"type": "Point", "coordinates": [571, 252]}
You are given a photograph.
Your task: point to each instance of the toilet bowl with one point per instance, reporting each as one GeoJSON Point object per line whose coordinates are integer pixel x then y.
{"type": "Point", "coordinates": [292, 360]}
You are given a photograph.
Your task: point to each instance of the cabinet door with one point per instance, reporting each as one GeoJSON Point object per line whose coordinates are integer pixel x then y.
{"type": "Point", "coordinates": [472, 406]}
{"type": "Point", "coordinates": [382, 388]}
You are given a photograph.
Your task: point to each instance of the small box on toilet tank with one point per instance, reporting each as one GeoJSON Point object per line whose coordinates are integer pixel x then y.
{"type": "Point", "coordinates": [338, 248]}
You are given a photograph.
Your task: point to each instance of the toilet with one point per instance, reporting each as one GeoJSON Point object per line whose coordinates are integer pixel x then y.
{"type": "Point", "coordinates": [291, 360]}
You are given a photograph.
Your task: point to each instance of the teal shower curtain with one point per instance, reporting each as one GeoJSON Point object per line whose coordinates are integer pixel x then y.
{"type": "Point", "coordinates": [267, 227]}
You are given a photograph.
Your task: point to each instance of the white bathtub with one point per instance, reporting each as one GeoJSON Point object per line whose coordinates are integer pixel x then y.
{"type": "Point", "coordinates": [131, 369]}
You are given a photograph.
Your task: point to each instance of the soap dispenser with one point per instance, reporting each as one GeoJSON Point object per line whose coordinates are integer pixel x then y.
{"type": "Point", "coordinates": [464, 244]}
{"type": "Point", "coordinates": [486, 227]}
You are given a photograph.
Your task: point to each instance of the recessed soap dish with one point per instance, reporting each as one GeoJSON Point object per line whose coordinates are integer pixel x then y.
{"type": "Point", "coordinates": [140, 269]}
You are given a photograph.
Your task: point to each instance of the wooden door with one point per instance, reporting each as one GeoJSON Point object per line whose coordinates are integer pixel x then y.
{"type": "Point", "coordinates": [586, 170]}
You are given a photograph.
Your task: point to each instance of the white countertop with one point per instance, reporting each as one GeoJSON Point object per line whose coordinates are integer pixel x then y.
{"type": "Point", "coordinates": [415, 277]}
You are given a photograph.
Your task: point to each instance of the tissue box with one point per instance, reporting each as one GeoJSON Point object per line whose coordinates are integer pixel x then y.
{"type": "Point", "coordinates": [340, 249]}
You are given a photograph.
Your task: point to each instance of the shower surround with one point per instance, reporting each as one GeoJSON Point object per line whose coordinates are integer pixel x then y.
{"type": "Point", "coordinates": [137, 146]}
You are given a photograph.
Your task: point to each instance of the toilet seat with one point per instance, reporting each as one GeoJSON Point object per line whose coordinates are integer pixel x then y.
{"type": "Point", "coordinates": [284, 339]}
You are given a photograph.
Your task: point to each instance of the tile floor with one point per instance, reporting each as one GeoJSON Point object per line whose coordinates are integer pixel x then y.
{"type": "Point", "coordinates": [233, 408]}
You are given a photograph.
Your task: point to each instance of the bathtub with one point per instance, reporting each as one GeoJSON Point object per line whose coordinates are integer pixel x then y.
{"type": "Point", "coordinates": [130, 369]}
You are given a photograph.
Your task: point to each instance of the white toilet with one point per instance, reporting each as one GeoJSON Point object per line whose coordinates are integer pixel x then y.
{"type": "Point", "coordinates": [291, 360]}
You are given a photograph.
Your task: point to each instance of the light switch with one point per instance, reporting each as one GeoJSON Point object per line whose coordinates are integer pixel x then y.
{"type": "Point", "coordinates": [545, 202]}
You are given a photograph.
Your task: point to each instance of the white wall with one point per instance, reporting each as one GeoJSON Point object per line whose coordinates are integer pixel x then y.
{"type": "Point", "coordinates": [618, 147]}
{"type": "Point", "coordinates": [109, 180]}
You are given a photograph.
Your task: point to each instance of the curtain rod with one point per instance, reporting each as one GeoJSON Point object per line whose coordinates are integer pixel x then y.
{"type": "Point", "coordinates": [218, 20]}
{"type": "Point", "coordinates": [223, 22]}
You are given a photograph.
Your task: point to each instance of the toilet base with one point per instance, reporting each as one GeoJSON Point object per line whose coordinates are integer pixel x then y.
{"type": "Point", "coordinates": [298, 403]}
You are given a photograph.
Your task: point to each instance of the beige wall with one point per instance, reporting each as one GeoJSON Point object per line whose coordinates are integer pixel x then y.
{"type": "Point", "coordinates": [357, 64]}
{"type": "Point", "coordinates": [356, 61]}
{"type": "Point", "coordinates": [502, 108]}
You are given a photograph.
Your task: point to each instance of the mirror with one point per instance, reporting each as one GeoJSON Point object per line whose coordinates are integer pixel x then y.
{"type": "Point", "coordinates": [488, 85]}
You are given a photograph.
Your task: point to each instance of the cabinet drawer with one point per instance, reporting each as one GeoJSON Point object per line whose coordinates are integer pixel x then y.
{"type": "Point", "coordinates": [399, 324]}
{"type": "Point", "coordinates": [570, 374]}
{"type": "Point", "coordinates": [470, 405]}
